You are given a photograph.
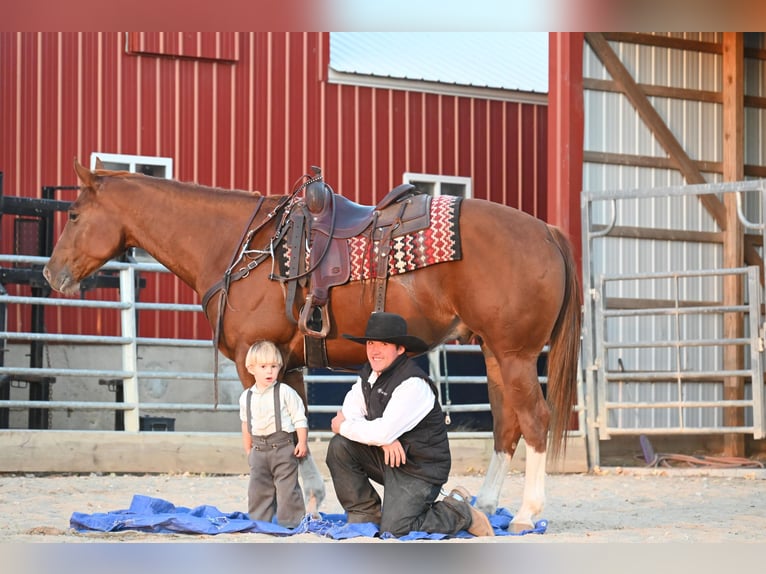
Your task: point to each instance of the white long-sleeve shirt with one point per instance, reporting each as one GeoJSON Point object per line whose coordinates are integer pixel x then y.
{"type": "Point", "coordinates": [293, 414]}
{"type": "Point", "coordinates": [412, 400]}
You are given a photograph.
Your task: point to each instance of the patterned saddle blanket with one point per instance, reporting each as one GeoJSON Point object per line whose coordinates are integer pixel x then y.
{"type": "Point", "coordinates": [357, 258]}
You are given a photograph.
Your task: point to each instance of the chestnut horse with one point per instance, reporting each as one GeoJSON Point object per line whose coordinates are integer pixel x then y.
{"type": "Point", "coordinates": [514, 290]}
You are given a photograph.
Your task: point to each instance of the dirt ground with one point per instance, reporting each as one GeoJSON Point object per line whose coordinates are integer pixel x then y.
{"type": "Point", "coordinates": [610, 505]}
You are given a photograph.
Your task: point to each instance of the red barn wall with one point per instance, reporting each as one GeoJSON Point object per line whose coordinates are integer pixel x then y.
{"type": "Point", "coordinates": [245, 110]}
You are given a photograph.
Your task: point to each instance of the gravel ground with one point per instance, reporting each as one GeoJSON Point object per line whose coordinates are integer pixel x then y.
{"type": "Point", "coordinates": [612, 505]}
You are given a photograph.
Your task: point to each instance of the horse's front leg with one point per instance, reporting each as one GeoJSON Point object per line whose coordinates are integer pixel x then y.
{"type": "Point", "coordinates": [506, 434]}
{"type": "Point", "coordinates": [311, 478]}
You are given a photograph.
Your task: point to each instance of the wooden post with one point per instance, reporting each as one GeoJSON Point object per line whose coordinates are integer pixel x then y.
{"type": "Point", "coordinates": [565, 134]}
{"type": "Point", "coordinates": [733, 235]}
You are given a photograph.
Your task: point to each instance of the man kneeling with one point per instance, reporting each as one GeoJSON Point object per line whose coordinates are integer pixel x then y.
{"type": "Point", "coordinates": [391, 430]}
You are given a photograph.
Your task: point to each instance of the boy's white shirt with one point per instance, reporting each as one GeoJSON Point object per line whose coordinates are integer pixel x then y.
{"type": "Point", "coordinates": [262, 404]}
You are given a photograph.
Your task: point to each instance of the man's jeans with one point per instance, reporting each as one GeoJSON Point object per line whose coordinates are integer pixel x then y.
{"type": "Point", "coordinates": [408, 502]}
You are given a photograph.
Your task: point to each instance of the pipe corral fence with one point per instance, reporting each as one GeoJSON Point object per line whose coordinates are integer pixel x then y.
{"type": "Point", "coordinates": [103, 390]}
{"type": "Point", "coordinates": [654, 355]}
{"type": "Point", "coordinates": [657, 357]}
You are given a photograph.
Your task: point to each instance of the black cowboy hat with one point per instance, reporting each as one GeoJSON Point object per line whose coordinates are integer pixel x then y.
{"type": "Point", "coordinates": [390, 328]}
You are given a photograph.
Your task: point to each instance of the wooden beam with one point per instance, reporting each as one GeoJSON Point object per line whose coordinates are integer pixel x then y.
{"type": "Point", "coordinates": [565, 134]}
{"type": "Point", "coordinates": [663, 162]}
{"type": "Point", "coordinates": [678, 43]}
{"type": "Point", "coordinates": [664, 42]}
{"type": "Point", "coordinates": [646, 161]}
{"type": "Point", "coordinates": [733, 235]}
{"type": "Point", "coordinates": [599, 85]}
{"type": "Point", "coordinates": [655, 123]}
{"type": "Point", "coordinates": [758, 102]}
{"type": "Point", "coordinates": [657, 91]}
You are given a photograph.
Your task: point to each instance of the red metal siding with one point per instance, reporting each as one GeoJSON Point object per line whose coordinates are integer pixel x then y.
{"type": "Point", "coordinates": [204, 45]}
{"type": "Point", "coordinates": [247, 110]}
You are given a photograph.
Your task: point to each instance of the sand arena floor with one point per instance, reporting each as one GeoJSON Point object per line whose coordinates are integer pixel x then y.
{"type": "Point", "coordinates": [612, 505]}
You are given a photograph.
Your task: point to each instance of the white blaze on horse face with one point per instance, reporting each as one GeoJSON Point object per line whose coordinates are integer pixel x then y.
{"type": "Point", "coordinates": [533, 500]}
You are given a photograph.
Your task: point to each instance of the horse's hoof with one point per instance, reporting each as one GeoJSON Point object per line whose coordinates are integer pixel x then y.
{"type": "Point", "coordinates": [519, 527]}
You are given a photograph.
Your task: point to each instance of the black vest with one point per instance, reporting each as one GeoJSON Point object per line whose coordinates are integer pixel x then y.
{"type": "Point", "coordinates": [426, 445]}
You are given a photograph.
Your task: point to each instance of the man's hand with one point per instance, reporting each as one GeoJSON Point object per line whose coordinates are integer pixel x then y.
{"type": "Point", "coordinates": [393, 454]}
{"type": "Point", "coordinates": [336, 422]}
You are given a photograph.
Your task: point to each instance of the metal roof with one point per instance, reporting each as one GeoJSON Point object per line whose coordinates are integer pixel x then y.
{"type": "Point", "coordinates": [500, 60]}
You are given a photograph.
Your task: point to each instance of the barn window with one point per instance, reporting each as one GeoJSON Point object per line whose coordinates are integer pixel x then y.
{"type": "Point", "coordinates": [440, 184]}
{"type": "Point", "coordinates": [148, 165]}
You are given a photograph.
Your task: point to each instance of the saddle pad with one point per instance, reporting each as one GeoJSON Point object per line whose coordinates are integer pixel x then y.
{"type": "Point", "coordinates": [439, 243]}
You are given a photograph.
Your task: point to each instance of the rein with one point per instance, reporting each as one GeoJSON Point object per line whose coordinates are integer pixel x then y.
{"type": "Point", "coordinates": [242, 272]}
{"type": "Point", "coordinates": [223, 286]}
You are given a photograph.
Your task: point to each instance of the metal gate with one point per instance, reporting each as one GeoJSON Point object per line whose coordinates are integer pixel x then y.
{"type": "Point", "coordinates": [86, 370]}
{"type": "Point", "coordinates": [653, 329]}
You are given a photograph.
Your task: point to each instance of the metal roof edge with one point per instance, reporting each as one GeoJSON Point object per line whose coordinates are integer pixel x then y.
{"type": "Point", "coordinates": [441, 88]}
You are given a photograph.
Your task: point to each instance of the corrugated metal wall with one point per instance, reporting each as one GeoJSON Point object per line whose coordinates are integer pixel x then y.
{"type": "Point", "coordinates": [612, 125]}
{"type": "Point", "coordinates": [244, 110]}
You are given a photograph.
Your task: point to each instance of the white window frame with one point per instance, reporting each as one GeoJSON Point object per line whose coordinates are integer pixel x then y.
{"type": "Point", "coordinates": [438, 180]}
{"type": "Point", "coordinates": [131, 162]}
{"type": "Point", "coordinates": [127, 162]}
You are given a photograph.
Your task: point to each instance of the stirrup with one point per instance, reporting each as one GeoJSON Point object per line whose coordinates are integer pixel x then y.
{"type": "Point", "coordinates": [306, 312]}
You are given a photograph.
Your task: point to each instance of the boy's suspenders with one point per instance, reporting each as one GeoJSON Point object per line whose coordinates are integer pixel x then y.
{"type": "Point", "coordinates": [277, 410]}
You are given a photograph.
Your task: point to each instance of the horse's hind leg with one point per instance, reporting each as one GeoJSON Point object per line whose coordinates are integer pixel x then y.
{"type": "Point", "coordinates": [518, 408]}
{"type": "Point", "coordinates": [525, 396]}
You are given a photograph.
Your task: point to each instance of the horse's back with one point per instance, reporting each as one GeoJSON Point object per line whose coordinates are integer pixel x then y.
{"type": "Point", "coordinates": [499, 225]}
{"type": "Point", "coordinates": [508, 246]}
{"type": "Point", "coordinates": [507, 286]}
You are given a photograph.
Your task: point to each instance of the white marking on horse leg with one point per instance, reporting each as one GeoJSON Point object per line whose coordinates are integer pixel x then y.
{"type": "Point", "coordinates": [533, 500]}
{"type": "Point", "coordinates": [488, 496]}
{"type": "Point", "coordinates": [313, 485]}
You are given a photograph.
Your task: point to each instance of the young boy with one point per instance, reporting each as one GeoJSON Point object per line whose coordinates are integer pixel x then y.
{"type": "Point", "coordinates": [271, 414]}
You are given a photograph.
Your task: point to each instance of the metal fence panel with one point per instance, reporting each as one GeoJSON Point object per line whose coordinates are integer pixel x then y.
{"type": "Point", "coordinates": [653, 326]}
{"type": "Point", "coordinates": [89, 367]}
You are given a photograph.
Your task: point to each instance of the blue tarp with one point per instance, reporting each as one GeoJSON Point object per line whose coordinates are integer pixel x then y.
{"type": "Point", "coordinates": [147, 514]}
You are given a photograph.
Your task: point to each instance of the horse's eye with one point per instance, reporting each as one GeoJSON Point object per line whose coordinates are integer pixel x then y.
{"type": "Point", "coordinates": [73, 216]}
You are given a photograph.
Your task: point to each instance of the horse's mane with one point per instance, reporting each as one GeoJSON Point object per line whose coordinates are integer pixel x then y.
{"type": "Point", "coordinates": [186, 187]}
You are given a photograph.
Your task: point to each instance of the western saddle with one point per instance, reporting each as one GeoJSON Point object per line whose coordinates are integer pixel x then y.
{"type": "Point", "coordinates": [322, 224]}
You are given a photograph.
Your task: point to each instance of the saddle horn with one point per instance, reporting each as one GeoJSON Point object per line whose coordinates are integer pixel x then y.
{"type": "Point", "coordinates": [317, 194]}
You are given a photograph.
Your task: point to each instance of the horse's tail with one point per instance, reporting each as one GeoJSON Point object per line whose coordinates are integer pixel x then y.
{"type": "Point", "coordinates": [564, 350]}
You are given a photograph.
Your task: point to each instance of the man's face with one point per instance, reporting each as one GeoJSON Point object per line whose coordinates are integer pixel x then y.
{"type": "Point", "coordinates": [381, 354]}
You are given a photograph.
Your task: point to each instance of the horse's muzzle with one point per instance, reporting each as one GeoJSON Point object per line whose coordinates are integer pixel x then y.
{"type": "Point", "coordinates": [62, 281]}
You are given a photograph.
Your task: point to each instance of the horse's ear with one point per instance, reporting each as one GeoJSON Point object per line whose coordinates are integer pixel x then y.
{"type": "Point", "coordinates": [85, 175]}
{"type": "Point", "coordinates": [99, 163]}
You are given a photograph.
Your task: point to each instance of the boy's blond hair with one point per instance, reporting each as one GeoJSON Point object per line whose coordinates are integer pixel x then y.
{"type": "Point", "coordinates": [263, 353]}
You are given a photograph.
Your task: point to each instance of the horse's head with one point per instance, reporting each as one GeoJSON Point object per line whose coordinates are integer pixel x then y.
{"type": "Point", "coordinates": [92, 235]}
